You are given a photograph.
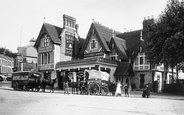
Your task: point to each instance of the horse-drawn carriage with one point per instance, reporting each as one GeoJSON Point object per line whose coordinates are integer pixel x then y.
{"type": "Point", "coordinates": [26, 80]}
{"type": "Point", "coordinates": [97, 82]}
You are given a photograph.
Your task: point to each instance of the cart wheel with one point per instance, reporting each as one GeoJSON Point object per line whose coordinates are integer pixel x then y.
{"type": "Point", "coordinates": [94, 89]}
{"type": "Point", "coordinates": [15, 86]}
{"type": "Point", "coordinates": [98, 89]}
{"type": "Point", "coordinates": [104, 90]}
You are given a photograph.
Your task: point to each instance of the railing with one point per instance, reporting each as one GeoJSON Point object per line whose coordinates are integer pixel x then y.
{"type": "Point", "coordinates": [141, 67]}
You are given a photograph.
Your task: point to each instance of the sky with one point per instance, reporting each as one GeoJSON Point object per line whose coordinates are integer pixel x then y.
{"type": "Point", "coordinates": [21, 20]}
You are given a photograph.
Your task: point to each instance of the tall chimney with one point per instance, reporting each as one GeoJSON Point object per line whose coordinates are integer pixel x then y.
{"type": "Point", "coordinates": [68, 21]}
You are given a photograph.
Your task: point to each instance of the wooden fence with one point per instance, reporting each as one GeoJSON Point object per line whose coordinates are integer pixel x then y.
{"type": "Point", "coordinates": [176, 88]}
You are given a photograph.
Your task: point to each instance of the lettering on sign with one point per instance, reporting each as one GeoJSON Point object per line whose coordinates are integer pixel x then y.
{"type": "Point", "coordinates": [94, 54]}
{"type": "Point", "coordinates": [45, 49]}
{"type": "Point", "coordinates": [20, 77]}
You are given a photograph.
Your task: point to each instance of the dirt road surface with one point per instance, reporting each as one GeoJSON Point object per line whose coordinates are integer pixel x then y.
{"type": "Point", "coordinates": [37, 103]}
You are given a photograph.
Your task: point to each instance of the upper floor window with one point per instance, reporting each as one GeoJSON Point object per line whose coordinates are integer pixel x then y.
{"type": "Point", "coordinates": [93, 44]}
{"type": "Point", "coordinates": [141, 60]}
{"type": "Point", "coordinates": [114, 56]}
{"type": "Point", "coordinates": [45, 41]}
{"type": "Point", "coordinates": [70, 23]}
{"type": "Point", "coordinates": [45, 58]}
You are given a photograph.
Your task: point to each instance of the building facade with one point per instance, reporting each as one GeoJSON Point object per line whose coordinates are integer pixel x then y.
{"type": "Point", "coordinates": [56, 44]}
{"type": "Point", "coordinates": [63, 54]}
{"type": "Point", "coordinates": [6, 65]}
{"type": "Point", "coordinates": [102, 50]}
{"type": "Point", "coordinates": [26, 57]}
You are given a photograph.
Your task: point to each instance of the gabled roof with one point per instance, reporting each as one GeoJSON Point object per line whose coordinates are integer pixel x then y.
{"type": "Point", "coordinates": [52, 31]}
{"type": "Point", "coordinates": [124, 69]}
{"type": "Point", "coordinates": [133, 41]}
{"type": "Point", "coordinates": [81, 41]}
{"type": "Point", "coordinates": [103, 35]}
{"type": "Point", "coordinates": [120, 46]}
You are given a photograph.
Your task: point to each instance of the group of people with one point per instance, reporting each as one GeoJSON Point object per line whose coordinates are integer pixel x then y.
{"type": "Point", "coordinates": [119, 88]}
{"type": "Point", "coordinates": [118, 92]}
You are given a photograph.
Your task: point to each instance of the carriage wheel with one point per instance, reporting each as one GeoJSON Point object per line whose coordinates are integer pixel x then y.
{"type": "Point", "coordinates": [94, 89]}
{"type": "Point", "coordinates": [15, 86]}
{"type": "Point", "coordinates": [104, 90]}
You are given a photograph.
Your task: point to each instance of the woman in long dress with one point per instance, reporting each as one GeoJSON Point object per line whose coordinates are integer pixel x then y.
{"type": "Point", "coordinates": [118, 89]}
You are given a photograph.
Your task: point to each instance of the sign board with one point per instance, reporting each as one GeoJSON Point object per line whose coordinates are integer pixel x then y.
{"type": "Point", "coordinates": [20, 77]}
{"type": "Point", "coordinates": [93, 54]}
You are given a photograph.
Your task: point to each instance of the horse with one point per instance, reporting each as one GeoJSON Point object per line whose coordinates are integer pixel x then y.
{"type": "Point", "coordinates": [112, 87]}
{"type": "Point", "coordinates": [75, 87]}
{"type": "Point", "coordinates": [83, 87]}
{"type": "Point", "coordinates": [48, 82]}
{"type": "Point", "coordinates": [33, 82]}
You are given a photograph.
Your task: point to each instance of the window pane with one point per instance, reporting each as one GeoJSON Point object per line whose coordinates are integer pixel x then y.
{"type": "Point", "coordinates": [141, 60]}
{"type": "Point", "coordinates": [42, 59]}
{"type": "Point", "coordinates": [48, 57]}
{"type": "Point", "coordinates": [45, 58]}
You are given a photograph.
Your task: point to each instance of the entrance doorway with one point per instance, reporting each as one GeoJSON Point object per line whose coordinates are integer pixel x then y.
{"type": "Point", "coordinates": [142, 80]}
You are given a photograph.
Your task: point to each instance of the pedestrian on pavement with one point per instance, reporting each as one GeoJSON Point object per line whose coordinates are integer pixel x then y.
{"type": "Point", "coordinates": [66, 88]}
{"type": "Point", "coordinates": [118, 89]}
{"type": "Point", "coordinates": [113, 88]}
{"type": "Point", "coordinates": [126, 90]}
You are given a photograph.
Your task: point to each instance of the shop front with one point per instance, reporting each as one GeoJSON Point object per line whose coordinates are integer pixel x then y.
{"type": "Point", "coordinates": [73, 71]}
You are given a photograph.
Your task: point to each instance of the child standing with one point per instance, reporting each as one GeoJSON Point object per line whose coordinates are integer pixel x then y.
{"type": "Point", "coordinates": [126, 90]}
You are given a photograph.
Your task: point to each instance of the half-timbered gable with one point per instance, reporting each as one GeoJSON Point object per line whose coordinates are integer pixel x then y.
{"type": "Point", "coordinates": [47, 45]}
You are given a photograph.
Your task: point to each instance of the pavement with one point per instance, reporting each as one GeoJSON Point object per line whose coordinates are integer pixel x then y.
{"type": "Point", "coordinates": [132, 94]}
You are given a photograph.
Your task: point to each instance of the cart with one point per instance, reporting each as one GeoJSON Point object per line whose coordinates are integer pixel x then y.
{"type": "Point", "coordinates": [98, 82]}
{"type": "Point", "coordinates": [26, 80]}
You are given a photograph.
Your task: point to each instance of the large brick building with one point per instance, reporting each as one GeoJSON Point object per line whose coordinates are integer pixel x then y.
{"type": "Point", "coordinates": [62, 53]}
{"type": "Point", "coordinates": [56, 44]}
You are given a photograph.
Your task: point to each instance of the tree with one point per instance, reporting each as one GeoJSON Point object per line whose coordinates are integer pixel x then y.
{"type": "Point", "coordinates": [7, 52]}
{"type": "Point", "coordinates": [165, 37]}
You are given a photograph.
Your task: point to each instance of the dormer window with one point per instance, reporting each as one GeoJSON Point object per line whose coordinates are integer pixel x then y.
{"type": "Point", "coordinates": [114, 56]}
{"type": "Point", "coordinates": [45, 41]}
{"type": "Point", "coordinates": [93, 44]}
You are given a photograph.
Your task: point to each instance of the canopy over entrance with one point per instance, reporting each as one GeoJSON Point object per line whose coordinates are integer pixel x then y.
{"type": "Point", "coordinates": [94, 74]}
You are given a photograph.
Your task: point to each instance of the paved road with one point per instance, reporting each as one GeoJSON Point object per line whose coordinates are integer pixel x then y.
{"type": "Point", "coordinates": [36, 103]}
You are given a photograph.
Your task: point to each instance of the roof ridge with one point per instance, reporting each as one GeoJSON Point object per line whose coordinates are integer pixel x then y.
{"type": "Point", "coordinates": [131, 31]}
{"type": "Point", "coordinates": [107, 27]}
{"type": "Point", "coordinates": [52, 25]}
